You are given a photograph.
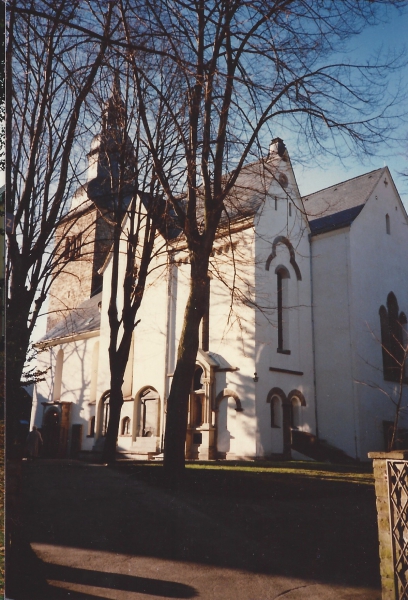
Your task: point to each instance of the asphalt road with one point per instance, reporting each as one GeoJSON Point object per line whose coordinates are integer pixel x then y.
{"type": "Point", "coordinates": [92, 532]}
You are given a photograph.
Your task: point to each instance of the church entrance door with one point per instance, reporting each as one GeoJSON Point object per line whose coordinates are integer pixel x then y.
{"type": "Point", "coordinates": [51, 432]}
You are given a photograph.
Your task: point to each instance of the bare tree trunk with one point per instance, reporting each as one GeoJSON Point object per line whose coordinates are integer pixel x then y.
{"type": "Point", "coordinates": [115, 406]}
{"type": "Point", "coordinates": [177, 403]}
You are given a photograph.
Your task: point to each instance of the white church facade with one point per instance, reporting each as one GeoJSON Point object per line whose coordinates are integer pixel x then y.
{"type": "Point", "coordinates": [300, 346]}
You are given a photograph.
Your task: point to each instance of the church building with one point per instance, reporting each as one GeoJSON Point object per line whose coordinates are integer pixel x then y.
{"type": "Point", "coordinates": [303, 348]}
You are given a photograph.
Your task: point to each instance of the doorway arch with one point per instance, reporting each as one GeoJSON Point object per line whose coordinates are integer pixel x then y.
{"type": "Point", "coordinates": [227, 405]}
{"type": "Point", "coordinates": [146, 413]}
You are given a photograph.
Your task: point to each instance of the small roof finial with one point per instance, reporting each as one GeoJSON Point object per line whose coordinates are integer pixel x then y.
{"type": "Point", "coordinates": [277, 145]}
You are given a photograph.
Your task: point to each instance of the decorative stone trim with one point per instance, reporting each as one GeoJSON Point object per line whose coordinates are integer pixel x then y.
{"type": "Point", "coordinates": [278, 370]}
{"type": "Point", "coordinates": [276, 391]}
{"type": "Point", "coordinates": [227, 392]}
{"type": "Point", "coordinates": [283, 240]}
{"type": "Point", "coordinates": [298, 395]}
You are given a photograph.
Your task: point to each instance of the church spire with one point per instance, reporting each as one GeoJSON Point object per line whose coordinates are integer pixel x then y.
{"type": "Point", "coordinates": [106, 148]}
{"type": "Point", "coordinates": [114, 113]}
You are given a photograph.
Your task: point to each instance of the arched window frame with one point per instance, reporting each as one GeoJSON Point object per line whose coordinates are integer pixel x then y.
{"type": "Point", "coordinates": [296, 401]}
{"type": "Point", "coordinates": [140, 412]}
{"type": "Point", "coordinates": [228, 393]}
{"type": "Point", "coordinates": [277, 399]}
{"type": "Point", "coordinates": [387, 224]}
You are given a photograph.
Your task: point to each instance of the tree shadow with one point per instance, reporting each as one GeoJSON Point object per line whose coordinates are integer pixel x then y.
{"type": "Point", "coordinates": [115, 581]}
{"type": "Point", "coordinates": [261, 522]}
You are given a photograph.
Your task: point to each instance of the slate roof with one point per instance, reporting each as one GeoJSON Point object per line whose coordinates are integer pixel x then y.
{"type": "Point", "coordinates": [248, 193]}
{"type": "Point", "coordinates": [85, 318]}
{"type": "Point", "coordinates": [338, 205]}
{"type": "Point", "coordinates": [251, 188]}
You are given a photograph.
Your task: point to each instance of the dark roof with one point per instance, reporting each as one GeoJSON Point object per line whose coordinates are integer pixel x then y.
{"type": "Point", "coordinates": [83, 319]}
{"type": "Point", "coordinates": [338, 205]}
{"type": "Point", "coordinates": [344, 218]}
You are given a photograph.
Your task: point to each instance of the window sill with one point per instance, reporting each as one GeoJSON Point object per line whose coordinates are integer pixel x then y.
{"type": "Point", "coordinates": [281, 351]}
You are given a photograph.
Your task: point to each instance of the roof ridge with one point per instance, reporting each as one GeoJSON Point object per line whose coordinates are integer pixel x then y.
{"type": "Point", "coordinates": [306, 196]}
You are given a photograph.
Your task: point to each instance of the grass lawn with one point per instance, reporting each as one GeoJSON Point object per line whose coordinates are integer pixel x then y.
{"type": "Point", "coordinates": [305, 518]}
{"type": "Point", "coordinates": [262, 479]}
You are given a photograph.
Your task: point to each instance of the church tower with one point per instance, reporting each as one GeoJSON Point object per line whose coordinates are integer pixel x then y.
{"type": "Point", "coordinates": [84, 236]}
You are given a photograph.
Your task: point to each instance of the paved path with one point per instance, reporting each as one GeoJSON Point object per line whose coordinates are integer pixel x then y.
{"type": "Point", "coordinates": [93, 532]}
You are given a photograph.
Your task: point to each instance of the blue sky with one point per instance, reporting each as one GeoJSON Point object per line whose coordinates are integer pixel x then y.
{"type": "Point", "coordinates": [389, 36]}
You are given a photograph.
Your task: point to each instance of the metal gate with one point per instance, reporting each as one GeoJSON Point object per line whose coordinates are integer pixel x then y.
{"type": "Point", "coordinates": [397, 471]}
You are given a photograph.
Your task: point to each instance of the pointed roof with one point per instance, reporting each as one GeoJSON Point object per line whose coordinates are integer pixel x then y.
{"type": "Point", "coordinates": [106, 146]}
{"type": "Point", "coordinates": [249, 191]}
{"type": "Point", "coordinates": [114, 113]}
{"type": "Point", "coordinates": [338, 205]}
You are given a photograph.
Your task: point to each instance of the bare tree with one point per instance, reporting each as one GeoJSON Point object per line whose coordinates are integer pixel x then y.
{"type": "Point", "coordinates": [141, 222]}
{"type": "Point", "coordinates": [247, 69]}
{"type": "Point", "coordinates": [50, 70]}
{"type": "Point", "coordinates": [394, 349]}
{"type": "Point", "coordinates": [2, 85]}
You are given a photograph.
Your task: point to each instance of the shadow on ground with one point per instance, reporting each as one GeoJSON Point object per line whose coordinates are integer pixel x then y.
{"type": "Point", "coordinates": [287, 524]}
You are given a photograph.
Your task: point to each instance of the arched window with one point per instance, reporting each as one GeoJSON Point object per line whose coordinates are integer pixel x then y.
{"type": "Point", "coordinates": [58, 375]}
{"type": "Point", "coordinates": [105, 416]}
{"type": "Point", "coordinates": [125, 427]}
{"type": "Point", "coordinates": [387, 224]}
{"type": "Point", "coordinates": [393, 340]}
{"type": "Point", "coordinates": [295, 420]}
{"type": "Point", "coordinates": [198, 379]}
{"type": "Point", "coordinates": [148, 421]}
{"type": "Point", "coordinates": [282, 276]}
{"type": "Point", "coordinates": [196, 398]}
{"type": "Point", "coordinates": [296, 400]}
{"type": "Point", "coordinates": [276, 412]}
{"type": "Point", "coordinates": [91, 427]}
{"type": "Point", "coordinates": [276, 398]}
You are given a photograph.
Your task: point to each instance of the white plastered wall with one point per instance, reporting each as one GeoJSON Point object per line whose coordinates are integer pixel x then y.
{"type": "Point", "coordinates": [379, 265]}
{"type": "Point", "coordinates": [75, 384]}
{"type": "Point", "coordinates": [273, 222]}
{"type": "Point", "coordinates": [333, 342]}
